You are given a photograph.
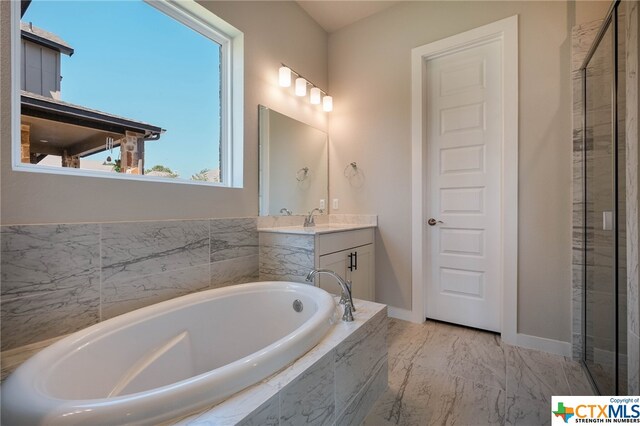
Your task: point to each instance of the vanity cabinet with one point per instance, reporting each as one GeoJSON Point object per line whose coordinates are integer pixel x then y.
{"type": "Point", "coordinates": [351, 255]}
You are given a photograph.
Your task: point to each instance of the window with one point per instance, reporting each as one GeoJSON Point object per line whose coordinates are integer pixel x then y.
{"type": "Point", "coordinates": [137, 90]}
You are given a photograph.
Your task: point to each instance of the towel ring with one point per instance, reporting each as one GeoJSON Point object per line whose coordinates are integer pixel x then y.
{"type": "Point", "coordinates": [302, 174]}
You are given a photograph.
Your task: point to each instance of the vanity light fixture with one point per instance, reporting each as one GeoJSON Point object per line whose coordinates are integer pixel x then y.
{"type": "Point", "coordinates": [315, 96]}
{"type": "Point", "coordinates": [327, 103]}
{"type": "Point", "coordinates": [300, 88]}
{"type": "Point", "coordinates": [284, 76]}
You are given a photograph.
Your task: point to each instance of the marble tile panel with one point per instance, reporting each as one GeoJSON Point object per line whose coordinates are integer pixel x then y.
{"type": "Point", "coordinates": [232, 238]}
{"type": "Point", "coordinates": [577, 378]}
{"type": "Point", "coordinates": [521, 410]}
{"type": "Point", "coordinates": [255, 401]}
{"type": "Point", "coordinates": [470, 354]}
{"type": "Point", "coordinates": [420, 396]}
{"type": "Point", "coordinates": [268, 414]}
{"type": "Point", "coordinates": [121, 296]}
{"type": "Point", "coordinates": [581, 40]}
{"type": "Point", "coordinates": [136, 249]}
{"type": "Point", "coordinates": [632, 170]}
{"type": "Point", "coordinates": [280, 221]}
{"type": "Point", "coordinates": [354, 219]}
{"type": "Point", "coordinates": [309, 399]}
{"type": "Point", "coordinates": [357, 410]}
{"type": "Point", "coordinates": [634, 363]}
{"type": "Point", "coordinates": [234, 271]}
{"type": "Point", "coordinates": [285, 257]}
{"type": "Point", "coordinates": [38, 259]}
{"type": "Point", "coordinates": [31, 319]}
{"type": "Point", "coordinates": [535, 375]}
{"type": "Point", "coordinates": [358, 358]}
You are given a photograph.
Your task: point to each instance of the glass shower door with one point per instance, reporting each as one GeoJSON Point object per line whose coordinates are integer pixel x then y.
{"type": "Point", "coordinates": [605, 283]}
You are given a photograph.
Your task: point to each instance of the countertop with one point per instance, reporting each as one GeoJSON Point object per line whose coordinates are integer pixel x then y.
{"type": "Point", "coordinates": [318, 229]}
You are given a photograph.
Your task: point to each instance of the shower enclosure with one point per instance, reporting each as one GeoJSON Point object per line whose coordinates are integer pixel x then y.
{"type": "Point", "coordinates": [603, 171]}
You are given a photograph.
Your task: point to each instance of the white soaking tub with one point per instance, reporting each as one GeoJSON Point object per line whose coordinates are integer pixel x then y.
{"type": "Point", "coordinates": [169, 359]}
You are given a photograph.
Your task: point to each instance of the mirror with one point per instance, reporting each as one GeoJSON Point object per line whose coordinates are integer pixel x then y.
{"type": "Point", "coordinates": [294, 165]}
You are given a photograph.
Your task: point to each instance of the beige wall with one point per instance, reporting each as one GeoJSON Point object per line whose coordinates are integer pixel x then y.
{"type": "Point", "coordinates": [274, 32]}
{"type": "Point", "coordinates": [370, 75]}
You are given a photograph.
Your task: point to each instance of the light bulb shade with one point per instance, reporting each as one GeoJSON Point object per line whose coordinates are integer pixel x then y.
{"type": "Point", "coordinates": [301, 86]}
{"type": "Point", "coordinates": [327, 103]}
{"type": "Point", "coordinates": [284, 77]}
{"type": "Point", "coordinates": [315, 96]}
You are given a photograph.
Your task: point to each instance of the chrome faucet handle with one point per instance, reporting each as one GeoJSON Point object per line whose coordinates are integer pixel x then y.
{"type": "Point", "coordinates": [344, 298]}
{"type": "Point", "coordinates": [348, 312]}
{"type": "Point", "coordinates": [286, 211]}
{"type": "Point", "coordinates": [309, 221]}
{"type": "Point", "coordinates": [345, 286]}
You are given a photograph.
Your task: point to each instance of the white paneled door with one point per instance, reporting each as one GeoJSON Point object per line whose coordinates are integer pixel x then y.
{"type": "Point", "coordinates": [464, 139]}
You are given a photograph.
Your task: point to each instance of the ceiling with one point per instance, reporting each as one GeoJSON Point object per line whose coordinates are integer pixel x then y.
{"type": "Point", "coordinates": [333, 15]}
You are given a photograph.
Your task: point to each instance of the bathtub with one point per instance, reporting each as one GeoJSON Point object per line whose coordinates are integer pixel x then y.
{"type": "Point", "coordinates": [169, 359]}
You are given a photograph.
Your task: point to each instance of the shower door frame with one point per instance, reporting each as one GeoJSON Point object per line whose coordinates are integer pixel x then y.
{"type": "Point", "coordinates": [610, 21]}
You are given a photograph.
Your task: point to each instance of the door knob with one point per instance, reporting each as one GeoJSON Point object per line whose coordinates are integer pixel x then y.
{"type": "Point", "coordinates": [433, 222]}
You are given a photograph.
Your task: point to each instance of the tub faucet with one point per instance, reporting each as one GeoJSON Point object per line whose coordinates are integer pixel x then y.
{"type": "Point", "coordinates": [345, 297]}
{"type": "Point", "coordinates": [308, 221]}
{"type": "Point", "coordinates": [285, 211]}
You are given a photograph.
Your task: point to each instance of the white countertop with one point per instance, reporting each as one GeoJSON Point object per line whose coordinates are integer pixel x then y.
{"type": "Point", "coordinates": [318, 229]}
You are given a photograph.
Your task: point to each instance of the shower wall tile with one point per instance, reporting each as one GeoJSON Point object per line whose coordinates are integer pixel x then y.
{"type": "Point", "coordinates": [44, 258]}
{"type": "Point", "coordinates": [234, 271]}
{"type": "Point", "coordinates": [632, 33]}
{"type": "Point", "coordinates": [633, 363]}
{"type": "Point", "coordinates": [233, 238]}
{"type": "Point", "coordinates": [121, 296]}
{"type": "Point", "coordinates": [581, 39]}
{"type": "Point", "coordinates": [285, 257]}
{"type": "Point", "coordinates": [136, 249]}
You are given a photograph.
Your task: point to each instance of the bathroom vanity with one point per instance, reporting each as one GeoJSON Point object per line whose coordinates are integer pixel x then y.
{"type": "Point", "coordinates": [290, 252]}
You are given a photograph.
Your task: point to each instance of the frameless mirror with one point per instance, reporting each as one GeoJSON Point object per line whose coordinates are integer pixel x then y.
{"type": "Point", "coordinates": [294, 165]}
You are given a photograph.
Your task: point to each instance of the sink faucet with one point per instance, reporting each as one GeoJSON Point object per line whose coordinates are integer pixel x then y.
{"type": "Point", "coordinates": [308, 221]}
{"type": "Point", "coordinates": [345, 297]}
{"type": "Point", "coordinates": [285, 211]}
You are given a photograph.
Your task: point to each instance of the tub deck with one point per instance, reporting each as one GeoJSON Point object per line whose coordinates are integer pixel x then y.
{"type": "Point", "coordinates": [336, 382]}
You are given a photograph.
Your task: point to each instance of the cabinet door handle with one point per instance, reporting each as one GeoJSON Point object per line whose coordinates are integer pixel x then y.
{"type": "Point", "coordinates": [356, 261]}
{"type": "Point", "coordinates": [350, 256]}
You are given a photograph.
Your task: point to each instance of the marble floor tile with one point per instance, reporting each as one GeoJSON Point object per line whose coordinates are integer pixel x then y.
{"type": "Point", "coordinates": [577, 378]}
{"type": "Point", "coordinates": [527, 412]}
{"type": "Point", "coordinates": [442, 374]}
{"type": "Point", "coordinates": [535, 375]}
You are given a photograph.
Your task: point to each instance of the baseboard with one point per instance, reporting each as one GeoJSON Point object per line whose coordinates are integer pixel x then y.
{"type": "Point", "coordinates": [543, 344]}
{"type": "Point", "coordinates": [402, 314]}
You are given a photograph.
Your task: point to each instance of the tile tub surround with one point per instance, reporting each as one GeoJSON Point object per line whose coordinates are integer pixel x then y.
{"type": "Point", "coordinates": [335, 383]}
{"type": "Point", "coordinates": [57, 279]}
{"type": "Point", "coordinates": [445, 374]}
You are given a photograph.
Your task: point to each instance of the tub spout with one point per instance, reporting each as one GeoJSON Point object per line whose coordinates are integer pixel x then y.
{"type": "Point", "coordinates": [345, 296]}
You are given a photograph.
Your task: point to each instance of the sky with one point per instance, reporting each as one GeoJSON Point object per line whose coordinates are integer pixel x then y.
{"type": "Point", "coordinates": [132, 60]}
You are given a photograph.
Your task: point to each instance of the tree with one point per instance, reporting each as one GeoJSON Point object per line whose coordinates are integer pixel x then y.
{"type": "Point", "coordinates": [203, 175]}
{"type": "Point", "coordinates": [160, 170]}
